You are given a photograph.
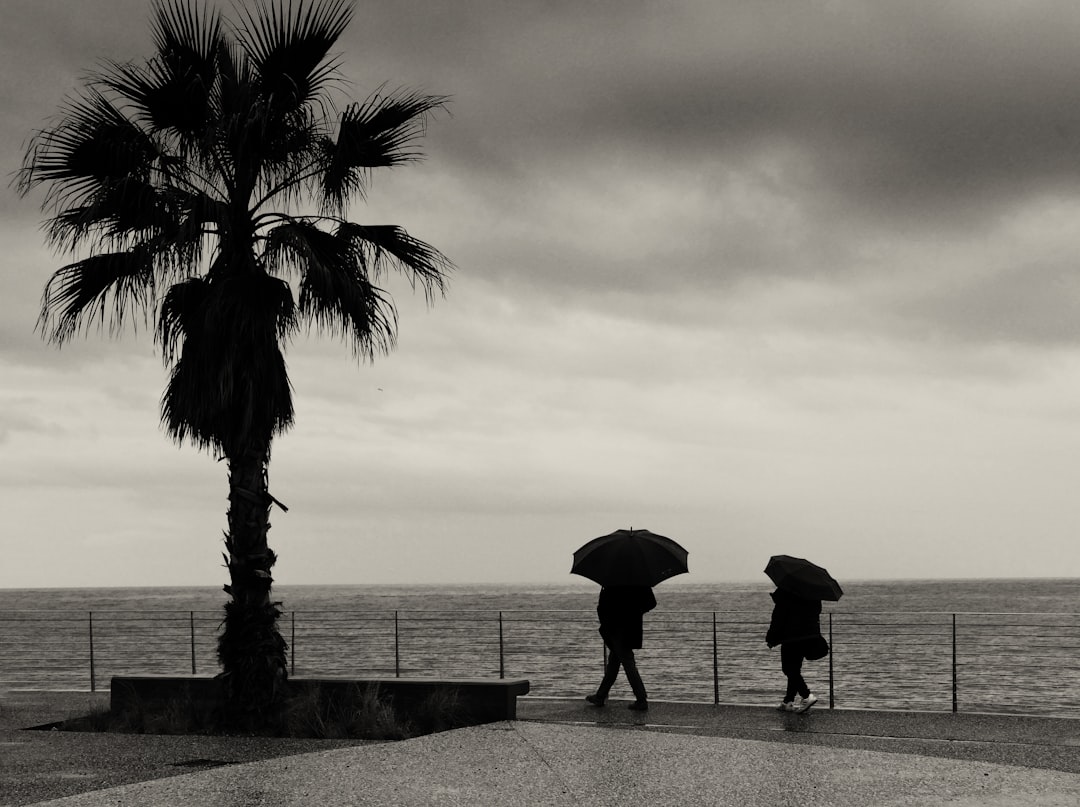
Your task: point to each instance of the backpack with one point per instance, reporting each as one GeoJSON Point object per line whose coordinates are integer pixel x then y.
{"type": "Point", "coordinates": [816, 648]}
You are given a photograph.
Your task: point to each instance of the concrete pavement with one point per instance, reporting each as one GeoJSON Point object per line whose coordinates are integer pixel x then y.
{"type": "Point", "coordinates": [568, 753]}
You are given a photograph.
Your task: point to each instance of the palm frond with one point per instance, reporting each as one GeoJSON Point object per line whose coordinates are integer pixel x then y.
{"type": "Point", "coordinates": [106, 288]}
{"type": "Point", "coordinates": [126, 209]}
{"type": "Point", "coordinates": [174, 90]}
{"type": "Point", "coordinates": [289, 156]}
{"type": "Point", "coordinates": [296, 244]}
{"type": "Point", "coordinates": [183, 306]}
{"type": "Point", "coordinates": [389, 246]}
{"type": "Point", "coordinates": [92, 144]}
{"type": "Point", "coordinates": [335, 293]}
{"type": "Point", "coordinates": [185, 35]}
{"type": "Point", "coordinates": [289, 48]}
{"type": "Point", "coordinates": [378, 133]}
{"type": "Point", "coordinates": [237, 102]}
{"type": "Point", "coordinates": [339, 300]}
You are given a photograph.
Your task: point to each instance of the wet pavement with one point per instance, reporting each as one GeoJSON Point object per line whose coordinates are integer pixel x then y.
{"type": "Point", "coordinates": [568, 753]}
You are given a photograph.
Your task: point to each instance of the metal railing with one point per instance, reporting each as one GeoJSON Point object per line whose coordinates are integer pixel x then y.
{"type": "Point", "coordinates": [999, 662]}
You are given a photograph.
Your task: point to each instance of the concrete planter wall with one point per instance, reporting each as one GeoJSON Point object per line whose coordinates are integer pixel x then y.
{"type": "Point", "coordinates": [474, 701]}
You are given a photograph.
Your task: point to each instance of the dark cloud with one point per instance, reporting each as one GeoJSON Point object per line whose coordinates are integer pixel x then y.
{"type": "Point", "coordinates": [622, 148]}
{"type": "Point", "coordinates": [892, 109]}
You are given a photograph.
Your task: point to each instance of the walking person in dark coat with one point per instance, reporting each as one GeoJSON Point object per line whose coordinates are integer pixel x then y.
{"type": "Point", "coordinates": [621, 610]}
{"type": "Point", "coordinates": [796, 627]}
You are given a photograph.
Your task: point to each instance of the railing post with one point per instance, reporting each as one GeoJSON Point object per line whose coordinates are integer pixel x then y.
{"type": "Point", "coordinates": [832, 649]}
{"type": "Point", "coordinates": [502, 669]}
{"type": "Point", "coordinates": [292, 644]}
{"type": "Point", "coordinates": [191, 618]}
{"type": "Point", "coordinates": [715, 665]}
{"type": "Point", "coordinates": [954, 662]}
{"type": "Point", "coordinates": [93, 680]}
{"type": "Point", "coordinates": [397, 648]}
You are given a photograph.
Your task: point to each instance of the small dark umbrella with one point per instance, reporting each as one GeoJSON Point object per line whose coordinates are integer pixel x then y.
{"type": "Point", "coordinates": [630, 558]}
{"type": "Point", "coordinates": [802, 577]}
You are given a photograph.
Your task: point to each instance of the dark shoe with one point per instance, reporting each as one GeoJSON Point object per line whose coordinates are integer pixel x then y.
{"type": "Point", "coordinates": [639, 706]}
{"type": "Point", "coordinates": [595, 700]}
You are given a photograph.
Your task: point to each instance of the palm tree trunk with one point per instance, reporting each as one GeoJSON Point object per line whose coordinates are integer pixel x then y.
{"type": "Point", "coordinates": [250, 649]}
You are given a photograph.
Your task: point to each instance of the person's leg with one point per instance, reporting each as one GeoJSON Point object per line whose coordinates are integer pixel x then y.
{"type": "Point", "coordinates": [800, 682]}
{"type": "Point", "coordinates": [611, 672]}
{"type": "Point", "coordinates": [791, 659]}
{"type": "Point", "coordinates": [629, 665]}
{"type": "Point", "coordinates": [633, 676]}
{"type": "Point", "coordinates": [806, 698]}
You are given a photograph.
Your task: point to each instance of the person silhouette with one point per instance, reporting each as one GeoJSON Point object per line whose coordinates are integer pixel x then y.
{"type": "Point", "coordinates": [795, 626]}
{"type": "Point", "coordinates": [621, 611]}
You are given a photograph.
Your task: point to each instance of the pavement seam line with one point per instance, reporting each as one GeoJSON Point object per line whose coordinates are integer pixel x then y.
{"type": "Point", "coordinates": [547, 764]}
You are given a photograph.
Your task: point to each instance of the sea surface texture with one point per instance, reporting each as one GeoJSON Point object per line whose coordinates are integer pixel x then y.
{"type": "Point", "coordinates": [973, 645]}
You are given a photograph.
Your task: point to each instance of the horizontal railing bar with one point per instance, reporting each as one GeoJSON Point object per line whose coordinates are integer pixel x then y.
{"type": "Point", "coordinates": [214, 615]}
{"type": "Point", "coordinates": [53, 615]}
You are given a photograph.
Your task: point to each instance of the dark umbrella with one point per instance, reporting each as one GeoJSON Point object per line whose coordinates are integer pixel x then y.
{"type": "Point", "coordinates": [630, 558]}
{"type": "Point", "coordinates": [803, 578]}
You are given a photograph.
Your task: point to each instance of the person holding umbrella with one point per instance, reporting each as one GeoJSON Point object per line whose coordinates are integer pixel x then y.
{"type": "Point", "coordinates": [796, 622]}
{"type": "Point", "coordinates": [627, 564]}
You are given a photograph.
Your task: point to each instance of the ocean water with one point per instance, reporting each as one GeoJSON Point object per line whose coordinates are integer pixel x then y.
{"type": "Point", "coordinates": [988, 645]}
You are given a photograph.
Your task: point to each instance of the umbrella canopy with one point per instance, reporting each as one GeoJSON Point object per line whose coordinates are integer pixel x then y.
{"type": "Point", "coordinates": [802, 577]}
{"type": "Point", "coordinates": [630, 558]}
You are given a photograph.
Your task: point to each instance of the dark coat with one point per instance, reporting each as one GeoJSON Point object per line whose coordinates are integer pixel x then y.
{"type": "Point", "coordinates": [793, 618]}
{"type": "Point", "coordinates": [621, 609]}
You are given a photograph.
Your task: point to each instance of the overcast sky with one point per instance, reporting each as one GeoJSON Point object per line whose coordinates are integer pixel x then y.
{"type": "Point", "coordinates": [763, 277]}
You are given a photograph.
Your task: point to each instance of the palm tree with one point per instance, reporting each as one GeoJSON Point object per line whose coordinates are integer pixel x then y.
{"type": "Point", "coordinates": [207, 189]}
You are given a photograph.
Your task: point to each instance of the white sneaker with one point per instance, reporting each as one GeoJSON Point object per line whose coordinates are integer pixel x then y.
{"type": "Point", "coordinates": [786, 706]}
{"type": "Point", "coordinates": [802, 704]}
